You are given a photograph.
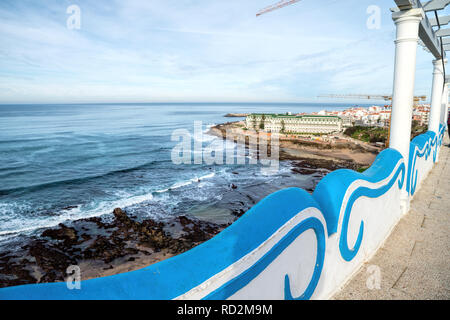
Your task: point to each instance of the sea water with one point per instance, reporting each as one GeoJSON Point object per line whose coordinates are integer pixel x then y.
{"type": "Point", "coordinates": [65, 162]}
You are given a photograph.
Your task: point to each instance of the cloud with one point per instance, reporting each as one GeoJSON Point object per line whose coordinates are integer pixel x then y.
{"type": "Point", "coordinates": [184, 50]}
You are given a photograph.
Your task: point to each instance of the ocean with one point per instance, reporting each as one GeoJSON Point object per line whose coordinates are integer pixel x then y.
{"type": "Point", "coordinates": [61, 163]}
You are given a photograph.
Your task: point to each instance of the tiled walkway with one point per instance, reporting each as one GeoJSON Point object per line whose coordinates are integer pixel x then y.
{"type": "Point", "coordinates": [414, 263]}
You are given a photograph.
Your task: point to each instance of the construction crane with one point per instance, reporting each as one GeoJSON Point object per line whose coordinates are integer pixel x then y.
{"type": "Point", "coordinates": [278, 5]}
{"type": "Point", "coordinates": [417, 99]}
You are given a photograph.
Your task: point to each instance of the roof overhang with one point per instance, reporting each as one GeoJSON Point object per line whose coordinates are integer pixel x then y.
{"type": "Point", "coordinates": [430, 38]}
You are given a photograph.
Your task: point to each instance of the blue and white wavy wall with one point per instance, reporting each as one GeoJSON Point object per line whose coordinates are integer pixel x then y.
{"type": "Point", "coordinates": [291, 245]}
{"type": "Point", "coordinates": [423, 153]}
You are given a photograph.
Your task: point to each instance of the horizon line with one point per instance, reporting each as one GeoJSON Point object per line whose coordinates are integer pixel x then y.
{"type": "Point", "coordinates": [188, 102]}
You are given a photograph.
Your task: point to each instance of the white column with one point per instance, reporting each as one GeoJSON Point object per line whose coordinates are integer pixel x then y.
{"type": "Point", "coordinates": [407, 23]}
{"type": "Point", "coordinates": [444, 109]}
{"type": "Point", "coordinates": [436, 96]}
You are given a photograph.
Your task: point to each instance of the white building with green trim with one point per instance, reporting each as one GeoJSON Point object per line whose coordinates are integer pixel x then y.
{"type": "Point", "coordinates": [304, 124]}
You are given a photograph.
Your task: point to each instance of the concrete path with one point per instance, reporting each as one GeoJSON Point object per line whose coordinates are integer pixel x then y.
{"type": "Point", "coordinates": [414, 262]}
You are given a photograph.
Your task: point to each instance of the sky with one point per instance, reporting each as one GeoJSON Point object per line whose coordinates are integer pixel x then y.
{"type": "Point", "coordinates": [197, 51]}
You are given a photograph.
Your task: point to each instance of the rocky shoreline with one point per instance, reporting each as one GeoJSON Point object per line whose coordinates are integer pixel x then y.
{"type": "Point", "coordinates": [329, 155]}
{"type": "Point", "coordinates": [101, 248]}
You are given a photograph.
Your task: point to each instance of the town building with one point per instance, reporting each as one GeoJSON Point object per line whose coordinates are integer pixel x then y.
{"type": "Point", "coordinates": [325, 122]}
{"type": "Point", "coordinates": [299, 124]}
{"type": "Point", "coordinates": [421, 113]}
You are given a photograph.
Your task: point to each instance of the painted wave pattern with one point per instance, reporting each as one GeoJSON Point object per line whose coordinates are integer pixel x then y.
{"type": "Point", "coordinates": [332, 197]}
{"type": "Point", "coordinates": [421, 147]}
{"type": "Point", "coordinates": [347, 253]}
{"type": "Point", "coordinates": [239, 282]}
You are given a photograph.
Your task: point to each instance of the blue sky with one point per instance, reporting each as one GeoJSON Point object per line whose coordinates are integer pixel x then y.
{"type": "Point", "coordinates": [196, 50]}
